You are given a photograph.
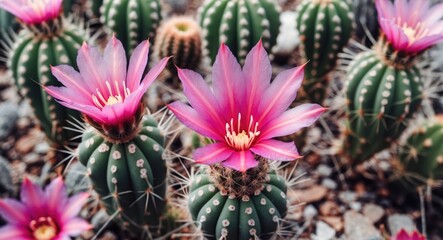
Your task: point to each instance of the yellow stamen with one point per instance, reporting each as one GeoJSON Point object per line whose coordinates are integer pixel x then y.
{"type": "Point", "coordinates": [414, 33]}
{"type": "Point", "coordinates": [44, 228]}
{"type": "Point", "coordinates": [114, 96]}
{"type": "Point", "coordinates": [240, 139]}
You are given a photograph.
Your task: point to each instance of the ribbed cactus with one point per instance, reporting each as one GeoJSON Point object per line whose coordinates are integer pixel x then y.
{"type": "Point", "coordinates": [131, 20]}
{"type": "Point", "coordinates": [227, 204]}
{"type": "Point", "coordinates": [421, 156]}
{"type": "Point", "coordinates": [239, 24]}
{"type": "Point", "coordinates": [130, 177]}
{"type": "Point", "coordinates": [381, 96]}
{"type": "Point", "coordinates": [179, 37]}
{"type": "Point", "coordinates": [6, 20]}
{"type": "Point", "coordinates": [325, 27]}
{"type": "Point", "coordinates": [36, 48]}
{"type": "Point", "coordinates": [366, 21]}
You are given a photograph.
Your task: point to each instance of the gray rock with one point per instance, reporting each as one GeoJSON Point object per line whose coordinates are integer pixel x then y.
{"type": "Point", "coordinates": [329, 183]}
{"type": "Point", "coordinates": [76, 179]}
{"type": "Point", "coordinates": [359, 227]}
{"type": "Point", "coordinates": [310, 212]}
{"type": "Point", "coordinates": [356, 206]}
{"type": "Point", "coordinates": [398, 221]}
{"type": "Point", "coordinates": [42, 147]}
{"type": "Point", "coordinates": [324, 171]}
{"type": "Point", "coordinates": [373, 212]}
{"type": "Point", "coordinates": [5, 177]}
{"type": "Point", "coordinates": [8, 118]}
{"type": "Point", "coordinates": [347, 197]}
{"type": "Point", "coordinates": [323, 231]}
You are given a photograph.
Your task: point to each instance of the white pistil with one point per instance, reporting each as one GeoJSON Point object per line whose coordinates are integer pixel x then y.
{"type": "Point", "coordinates": [241, 139]}
{"type": "Point", "coordinates": [413, 33]}
{"type": "Point", "coordinates": [100, 101]}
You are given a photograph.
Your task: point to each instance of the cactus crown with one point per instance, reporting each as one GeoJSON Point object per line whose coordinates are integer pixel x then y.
{"type": "Point", "coordinates": [392, 57]}
{"type": "Point", "coordinates": [49, 28]}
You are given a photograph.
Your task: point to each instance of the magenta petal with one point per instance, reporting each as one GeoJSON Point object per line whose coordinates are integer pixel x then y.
{"type": "Point", "coordinates": [154, 73]}
{"type": "Point", "coordinates": [91, 111]}
{"type": "Point", "coordinates": [92, 68]}
{"type": "Point", "coordinates": [425, 43]}
{"type": "Point", "coordinates": [385, 9]}
{"type": "Point", "coordinates": [33, 196]}
{"type": "Point", "coordinates": [13, 211]}
{"type": "Point", "coordinates": [212, 153]}
{"type": "Point", "coordinates": [11, 232]}
{"type": "Point", "coordinates": [241, 161]}
{"type": "Point", "coordinates": [189, 117]}
{"type": "Point", "coordinates": [137, 65]}
{"type": "Point", "coordinates": [75, 227]}
{"type": "Point", "coordinates": [276, 150]}
{"type": "Point", "coordinates": [115, 62]}
{"type": "Point", "coordinates": [115, 114]}
{"type": "Point", "coordinates": [55, 194]}
{"type": "Point", "coordinates": [72, 80]}
{"type": "Point", "coordinates": [280, 94]}
{"type": "Point", "coordinates": [67, 95]}
{"type": "Point", "coordinates": [292, 120]}
{"type": "Point", "coordinates": [74, 205]}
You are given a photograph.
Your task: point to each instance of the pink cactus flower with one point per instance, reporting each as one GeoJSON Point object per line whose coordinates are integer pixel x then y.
{"type": "Point", "coordinates": [105, 89]}
{"type": "Point", "coordinates": [243, 111]}
{"type": "Point", "coordinates": [411, 26]}
{"type": "Point", "coordinates": [43, 215]}
{"type": "Point", "coordinates": [404, 235]}
{"type": "Point", "coordinates": [33, 11]}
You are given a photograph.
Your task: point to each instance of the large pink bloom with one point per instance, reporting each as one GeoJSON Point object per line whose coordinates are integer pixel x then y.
{"type": "Point", "coordinates": [43, 215]}
{"type": "Point", "coordinates": [33, 11]}
{"type": "Point", "coordinates": [403, 235]}
{"type": "Point", "coordinates": [411, 26]}
{"type": "Point", "coordinates": [105, 89]}
{"type": "Point", "coordinates": [243, 111]}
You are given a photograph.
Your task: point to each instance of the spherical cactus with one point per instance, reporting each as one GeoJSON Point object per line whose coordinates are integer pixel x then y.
{"type": "Point", "coordinates": [380, 98]}
{"type": "Point", "coordinates": [325, 27]}
{"type": "Point", "coordinates": [227, 204]}
{"type": "Point", "coordinates": [179, 37]}
{"type": "Point", "coordinates": [130, 176]}
{"type": "Point", "coordinates": [36, 48]}
{"type": "Point", "coordinates": [366, 21]}
{"type": "Point", "coordinates": [131, 20]}
{"type": "Point", "coordinates": [239, 24]}
{"type": "Point", "coordinates": [421, 156]}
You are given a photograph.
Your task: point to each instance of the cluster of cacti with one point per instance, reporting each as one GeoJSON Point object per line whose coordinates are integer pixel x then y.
{"type": "Point", "coordinates": [130, 176]}
{"type": "Point", "coordinates": [325, 27]}
{"type": "Point", "coordinates": [227, 204]}
{"type": "Point", "coordinates": [240, 24]}
{"type": "Point", "coordinates": [421, 157]}
{"type": "Point", "coordinates": [132, 21]}
{"type": "Point", "coordinates": [179, 37]}
{"type": "Point", "coordinates": [367, 27]}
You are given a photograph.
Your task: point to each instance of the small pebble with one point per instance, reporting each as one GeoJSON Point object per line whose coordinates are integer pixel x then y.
{"type": "Point", "coordinates": [310, 212]}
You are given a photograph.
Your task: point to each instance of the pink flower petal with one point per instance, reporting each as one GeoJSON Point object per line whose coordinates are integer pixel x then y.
{"type": "Point", "coordinates": [189, 117]}
{"type": "Point", "coordinates": [292, 120]}
{"type": "Point", "coordinates": [282, 91]}
{"type": "Point", "coordinates": [75, 227]}
{"type": "Point", "coordinates": [67, 95]}
{"type": "Point", "coordinates": [14, 212]}
{"type": "Point", "coordinates": [11, 232]}
{"type": "Point", "coordinates": [115, 61]}
{"type": "Point", "coordinates": [72, 79]}
{"type": "Point", "coordinates": [434, 15]}
{"type": "Point", "coordinates": [55, 195]}
{"type": "Point", "coordinates": [33, 196]}
{"type": "Point", "coordinates": [385, 9]}
{"type": "Point", "coordinates": [73, 206]}
{"type": "Point", "coordinates": [115, 114]}
{"type": "Point", "coordinates": [425, 43]}
{"type": "Point", "coordinates": [276, 150]}
{"type": "Point", "coordinates": [137, 65]}
{"type": "Point", "coordinates": [154, 73]}
{"type": "Point", "coordinates": [241, 161]}
{"type": "Point", "coordinates": [227, 81]}
{"type": "Point", "coordinates": [212, 153]}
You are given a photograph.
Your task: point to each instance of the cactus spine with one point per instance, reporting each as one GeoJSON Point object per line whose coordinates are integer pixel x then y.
{"type": "Point", "coordinates": [421, 156]}
{"type": "Point", "coordinates": [36, 48]}
{"type": "Point", "coordinates": [6, 21]}
{"type": "Point", "coordinates": [239, 24]}
{"type": "Point", "coordinates": [325, 27]}
{"type": "Point", "coordinates": [131, 20]}
{"type": "Point", "coordinates": [366, 21]}
{"type": "Point", "coordinates": [179, 37]}
{"type": "Point", "coordinates": [129, 176]}
{"type": "Point", "coordinates": [232, 205]}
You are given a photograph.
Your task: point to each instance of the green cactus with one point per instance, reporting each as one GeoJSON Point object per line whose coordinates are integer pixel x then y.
{"type": "Point", "coordinates": [325, 27]}
{"type": "Point", "coordinates": [227, 204]}
{"type": "Point", "coordinates": [421, 156]}
{"type": "Point", "coordinates": [129, 177]}
{"type": "Point", "coordinates": [131, 20]}
{"type": "Point", "coordinates": [239, 24]}
{"type": "Point", "coordinates": [6, 21]}
{"type": "Point", "coordinates": [381, 96]}
{"type": "Point", "coordinates": [36, 48]}
{"type": "Point", "coordinates": [179, 37]}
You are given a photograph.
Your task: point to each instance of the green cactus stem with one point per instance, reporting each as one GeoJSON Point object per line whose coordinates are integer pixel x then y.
{"type": "Point", "coordinates": [227, 204]}
{"type": "Point", "coordinates": [131, 20]}
{"type": "Point", "coordinates": [239, 24]}
{"type": "Point", "coordinates": [36, 48]}
{"type": "Point", "coordinates": [325, 27]}
{"type": "Point", "coordinates": [6, 21]}
{"type": "Point", "coordinates": [130, 177]}
{"type": "Point", "coordinates": [421, 157]}
{"type": "Point", "coordinates": [383, 90]}
{"type": "Point", "coordinates": [366, 21]}
{"type": "Point", "coordinates": [179, 37]}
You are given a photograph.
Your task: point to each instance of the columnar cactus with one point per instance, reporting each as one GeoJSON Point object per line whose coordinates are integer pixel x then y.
{"type": "Point", "coordinates": [179, 37]}
{"type": "Point", "coordinates": [325, 27]}
{"type": "Point", "coordinates": [131, 20]}
{"type": "Point", "coordinates": [421, 156]}
{"type": "Point", "coordinates": [228, 204]}
{"type": "Point", "coordinates": [47, 39]}
{"type": "Point", "coordinates": [240, 24]}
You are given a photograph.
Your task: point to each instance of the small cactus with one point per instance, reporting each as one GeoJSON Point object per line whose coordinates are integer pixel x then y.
{"type": "Point", "coordinates": [130, 176]}
{"type": "Point", "coordinates": [179, 37]}
{"type": "Point", "coordinates": [325, 27]}
{"type": "Point", "coordinates": [228, 204]}
{"type": "Point", "coordinates": [421, 156]}
{"type": "Point", "coordinates": [240, 24]}
{"type": "Point", "coordinates": [131, 20]}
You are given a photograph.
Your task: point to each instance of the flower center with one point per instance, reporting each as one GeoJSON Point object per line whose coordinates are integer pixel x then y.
{"type": "Point", "coordinates": [114, 96]}
{"type": "Point", "coordinates": [239, 138]}
{"type": "Point", "coordinates": [37, 5]}
{"type": "Point", "coordinates": [414, 33]}
{"type": "Point", "coordinates": [44, 228]}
